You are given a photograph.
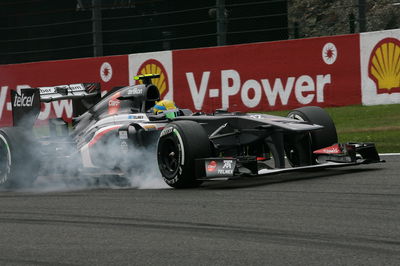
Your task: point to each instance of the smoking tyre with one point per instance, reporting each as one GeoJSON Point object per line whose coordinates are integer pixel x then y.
{"type": "Point", "coordinates": [18, 164]}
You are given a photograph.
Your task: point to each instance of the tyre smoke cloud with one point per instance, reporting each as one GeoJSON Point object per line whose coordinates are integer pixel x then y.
{"type": "Point", "coordinates": [61, 167]}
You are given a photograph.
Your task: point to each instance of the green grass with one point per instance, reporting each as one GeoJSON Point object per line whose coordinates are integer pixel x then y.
{"type": "Point", "coordinates": [379, 124]}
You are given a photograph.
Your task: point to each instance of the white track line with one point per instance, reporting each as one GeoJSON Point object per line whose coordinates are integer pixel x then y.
{"type": "Point", "coordinates": [389, 154]}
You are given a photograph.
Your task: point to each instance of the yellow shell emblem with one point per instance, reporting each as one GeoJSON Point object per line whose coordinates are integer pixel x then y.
{"type": "Point", "coordinates": [153, 66]}
{"type": "Point", "coordinates": [384, 65]}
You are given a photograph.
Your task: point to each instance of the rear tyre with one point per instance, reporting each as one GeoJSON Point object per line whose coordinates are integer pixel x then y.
{"type": "Point", "coordinates": [179, 145]}
{"type": "Point", "coordinates": [19, 165]}
{"type": "Point", "coordinates": [316, 115]}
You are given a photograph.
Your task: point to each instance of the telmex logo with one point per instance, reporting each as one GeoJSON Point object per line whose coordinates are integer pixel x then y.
{"type": "Point", "coordinates": [153, 66]}
{"type": "Point", "coordinates": [384, 65]}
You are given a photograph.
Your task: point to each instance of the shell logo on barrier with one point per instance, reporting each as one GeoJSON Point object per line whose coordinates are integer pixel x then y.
{"type": "Point", "coordinates": [153, 66]}
{"type": "Point", "coordinates": [384, 65]}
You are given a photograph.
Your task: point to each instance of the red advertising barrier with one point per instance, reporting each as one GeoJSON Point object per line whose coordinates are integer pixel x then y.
{"type": "Point", "coordinates": [109, 71]}
{"type": "Point", "coordinates": [269, 76]}
{"type": "Point", "coordinates": [252, 77]}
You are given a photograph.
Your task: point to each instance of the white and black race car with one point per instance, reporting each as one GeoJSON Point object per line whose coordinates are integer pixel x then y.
{"type": "Point", "coordinates": [190, 147]}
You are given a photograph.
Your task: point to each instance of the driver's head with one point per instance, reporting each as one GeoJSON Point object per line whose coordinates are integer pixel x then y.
{"type": "Point", "coordinates": [164, 106]}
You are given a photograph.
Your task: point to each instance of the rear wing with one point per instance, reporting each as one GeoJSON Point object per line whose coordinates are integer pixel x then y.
{"type": "Point", "coordinates": [26, 104]}
{"type": "Point", "coordinates": [72, 91]}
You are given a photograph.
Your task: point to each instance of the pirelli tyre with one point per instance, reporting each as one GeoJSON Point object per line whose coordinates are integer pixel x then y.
{"type": "Point", "coordinates": [19, 165]}
{"type": "Point", "coordinates": [179, 145]}
{"type": "Point", "coordinates": [299, 151]}
{"type": "Point", "coordinates": [320, 138]}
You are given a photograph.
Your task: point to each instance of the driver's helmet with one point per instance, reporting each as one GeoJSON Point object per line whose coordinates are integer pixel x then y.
{"type": "Point", "coordinates": [167, 107]}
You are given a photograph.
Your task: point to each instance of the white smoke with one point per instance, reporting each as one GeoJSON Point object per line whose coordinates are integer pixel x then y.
{"type": "Point", "coordinates": [143, 172]}
{"type": "Point", "coordinates": [61, 173]}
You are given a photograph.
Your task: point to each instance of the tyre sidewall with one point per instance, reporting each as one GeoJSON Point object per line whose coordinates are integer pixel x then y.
{"type": "Point", "coordinates": [171, 133]}
{"type": "Point", "coordinates": [192, 143]}
{"type": "Point", "coordinates": [320, 138]}
{"type": "Point", "coordinates": [5, 179]}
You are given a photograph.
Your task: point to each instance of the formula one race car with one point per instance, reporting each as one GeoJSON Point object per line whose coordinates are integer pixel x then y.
{"type": "Point", "coordinates": [191, 147]}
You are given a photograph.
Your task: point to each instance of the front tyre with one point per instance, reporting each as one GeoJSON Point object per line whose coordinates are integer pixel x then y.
{"type": "Point", "coordinates": [299, 148]}
{"type": "Point", "coordinates": [324, 137]}
{"type": "Point", "coordinates": [179, 145]}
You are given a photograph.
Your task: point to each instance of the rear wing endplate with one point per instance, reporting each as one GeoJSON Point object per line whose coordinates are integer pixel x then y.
{"type": "Point", "coordinates": [26, 104]}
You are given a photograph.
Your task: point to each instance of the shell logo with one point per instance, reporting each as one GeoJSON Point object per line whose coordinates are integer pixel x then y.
{"type": "Point", "coordinates": [384, 65]}
{"type": "Point", "coordinates": [153, 66]}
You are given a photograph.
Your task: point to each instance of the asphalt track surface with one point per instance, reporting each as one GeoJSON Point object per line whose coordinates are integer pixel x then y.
{"type": "Point", "coordinates": [346, 216]}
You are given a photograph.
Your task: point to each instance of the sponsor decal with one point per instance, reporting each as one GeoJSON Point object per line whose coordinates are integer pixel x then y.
{"type": "Point", "coordinates": [153, 66]}
{"type": "Point", "coordinates": [114, 104]}
{"type": "Point", "coordinates": [150, 127]}
{"type": "Point", "coordinates": [329, 53]}
{"type": "Point", "coordinates": [75, 87]}
{"type": "Point", "coordinates": [123, 134]}
{"type": "Point", "coordinates": [124, 146]}
{"type": "Point", "coordinates": [138, 117]}
{"type": "Point", "coordinates": [135, 91]}
{"type": "Point", "coordinates": [225, 172]}
{"type": "Point", "coordinates": [69, 88]}
{"type": "Point", "coordinates": [227, 164]}
{"type": "Point", "coordinates": [23, 100]}
{"type": "Point", "coordinates": [220, 167]}
{"type": "Point", "coordinates": [47, 90]}
{"type": "Point", "coordinates": [334, 149]}
{"type": "Point", "coordinates": [166, 131]}
{"type": "Point", "coordinates": [106, 72]}
{"type": "Point", "coordinates": [212, 166]}
{"type": "Point", "coordinates": [227, 168]}
{"type": "Point", "coordinates": [384, 66]}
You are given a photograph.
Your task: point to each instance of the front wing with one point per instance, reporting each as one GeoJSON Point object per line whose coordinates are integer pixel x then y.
{"type": "Point", "coordinates": [338, 155]}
